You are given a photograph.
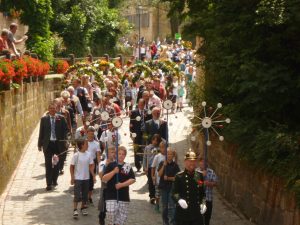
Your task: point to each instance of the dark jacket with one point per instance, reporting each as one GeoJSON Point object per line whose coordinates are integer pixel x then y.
{"type": "Point", "coordinates": [189, 187]}
{"type": "Point", "coordinates": [151, 129]}
{"type": "Point", "coordinates": [61, 130]}
{"type": "Point", "coordinates": [137, 127]}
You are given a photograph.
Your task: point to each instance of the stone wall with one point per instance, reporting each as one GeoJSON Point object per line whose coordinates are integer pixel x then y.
{"type": "Point", "coordinates": [261, 197]}
{"type": "Point", "coordinates": [20, 111]}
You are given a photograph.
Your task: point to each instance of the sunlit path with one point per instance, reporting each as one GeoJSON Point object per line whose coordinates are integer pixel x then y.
{"type": "Point", "coordinates": [26, 201]}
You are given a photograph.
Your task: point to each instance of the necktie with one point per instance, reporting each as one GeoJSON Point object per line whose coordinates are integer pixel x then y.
{"type": "Point", "coordinates": [53, 128]}
{"type": "Point", "coordinates": [142, 120]}
{"type": "Point", "coordinates": [156, 125]}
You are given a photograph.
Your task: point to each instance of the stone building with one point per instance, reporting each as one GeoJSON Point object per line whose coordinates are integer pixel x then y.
{"type": "Point", "coordinates": [150, 20]}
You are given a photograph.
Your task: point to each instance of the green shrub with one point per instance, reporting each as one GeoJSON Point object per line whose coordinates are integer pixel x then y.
{"type": "Point", "coordinates": [252, 58]}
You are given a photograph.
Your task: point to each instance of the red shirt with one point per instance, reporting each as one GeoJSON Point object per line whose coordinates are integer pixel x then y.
{"type": "Point", "coordinates": [3, 44]}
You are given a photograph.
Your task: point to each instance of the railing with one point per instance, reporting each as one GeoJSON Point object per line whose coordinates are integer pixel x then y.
{"type": "Point", "coordinates": [90, 58]}
{"type": "Point", "coordinates": [72, 59]}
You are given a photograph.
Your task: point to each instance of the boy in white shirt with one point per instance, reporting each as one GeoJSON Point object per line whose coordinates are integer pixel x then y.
{"type": "Point", "coordinates": [94, 150]}
{"type": "Point", "coordinates": [82, 165]}
{"type": "Point", "coordinates": [160, 157]}
{"type": "Point", "coordinates": [110, 136]}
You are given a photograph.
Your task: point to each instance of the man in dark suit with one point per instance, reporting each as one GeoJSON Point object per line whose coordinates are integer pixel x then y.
{"type": "Point", "coordinates": [137, 126]}
{"type": "Point", "coordinates": [156, 126]}
{"type": "Point", "coordinates": [147, 107]}
{"type": "Point", "coordinates": [53, 129]}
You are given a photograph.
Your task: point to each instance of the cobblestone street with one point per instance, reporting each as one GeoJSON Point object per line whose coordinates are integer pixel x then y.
{"type": "Point", "coordinates": [25, 200]}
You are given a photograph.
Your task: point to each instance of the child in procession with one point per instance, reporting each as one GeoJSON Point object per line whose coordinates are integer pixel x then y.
{"type": "Point", "coordinates": [82, 165]}
{"type": "Point", "coordinates": [118, 177]}
{"type": "Point", "coordinates": [111, 156]}
{"type": "Point", "coordinates": [167, 171]}
{"type": "Point", "coordinates": [149, 153]}
{"type": "Point", "coordinates": [95, 152]}
{"type": "Point", "coordinates": [160, 157]}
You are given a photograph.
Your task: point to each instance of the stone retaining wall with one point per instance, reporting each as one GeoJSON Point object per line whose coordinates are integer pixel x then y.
{"type": "Point", "coordinates": [20, 111]}
{"type": "Point", "coordinates": [261, 197]}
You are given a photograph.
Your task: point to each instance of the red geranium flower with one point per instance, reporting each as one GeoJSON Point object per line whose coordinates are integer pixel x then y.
{"type": "Point", "coordinates": [61, 66]}
{"type": "Point", "coordinates": [20, 68]}
{"type": "Point", "coordinates": [8, 71]}
{"type": "Point", "coordinates": [200, 182]}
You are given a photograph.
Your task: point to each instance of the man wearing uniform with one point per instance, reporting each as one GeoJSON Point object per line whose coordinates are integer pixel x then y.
{"type": "Point", "coordinates": [189, 193]}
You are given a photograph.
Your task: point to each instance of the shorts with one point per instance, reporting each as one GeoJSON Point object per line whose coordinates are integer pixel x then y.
{"type": "Point", "coordinates": [81, 190]}
{"type": "Point", "coordinates": [116, 212]}
{"type": "Point", "coordinates": [173, 98]}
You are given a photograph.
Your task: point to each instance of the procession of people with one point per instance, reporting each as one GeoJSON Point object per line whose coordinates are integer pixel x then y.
{"type": "Point", "coordinates": [84, 122]}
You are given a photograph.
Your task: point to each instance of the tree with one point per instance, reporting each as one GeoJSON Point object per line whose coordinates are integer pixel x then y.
{"type": "Point", "coordinates": [252, 58]}
{"type": "Point", "coordinates": [88, 26]}
{"type": "Point", "coordinates": [37, 15]}
{"type": "Point", "coordinates": [175, 14]}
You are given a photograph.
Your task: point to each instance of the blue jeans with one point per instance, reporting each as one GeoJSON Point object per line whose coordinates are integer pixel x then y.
{"type": "Point", "coordinates": [168, 207]}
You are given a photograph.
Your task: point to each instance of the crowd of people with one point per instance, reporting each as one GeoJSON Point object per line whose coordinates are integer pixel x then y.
{"type": "Point", "coordinates": [87, 116]}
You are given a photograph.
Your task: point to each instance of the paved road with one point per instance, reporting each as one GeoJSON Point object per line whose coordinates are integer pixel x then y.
{"type": "Point", "coordinates": [25, 200]}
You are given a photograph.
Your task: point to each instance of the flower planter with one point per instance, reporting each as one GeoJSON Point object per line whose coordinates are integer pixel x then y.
{"type": "Point", "coordinates": [35, 78]}
{"type": "Point", "coordinates": [4, 86]}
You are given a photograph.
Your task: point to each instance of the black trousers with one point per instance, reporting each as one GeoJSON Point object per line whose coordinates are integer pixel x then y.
{"type": "Point", "coordinates": [51, 172]}
{"type": "Point", "coordinates": [138, 158]}
{"type": "Point", "coordinates": [207, 214]}
{"type": "Point", "coordinates": [195, 222]}
{"type": "Point", "coordinates": [62, 159]}
{"type": "Point", "coordinates": [151, 186]}
{"type": "Point", "coordinates": [102, 214]}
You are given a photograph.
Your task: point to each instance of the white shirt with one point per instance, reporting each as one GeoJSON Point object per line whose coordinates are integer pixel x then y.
{"type": "Point", "coordinates": [93, 148]}
{"type": "Point", "coordinates": [110, 135]}
{"type": "Point", "coordinates": [143, 50]}
{"type": "Point", "coordinates": [52, 123]}
{"type": "Point", "coordinates": [155, 101]}
{"type": "Point", "coordinates": [84, 89]}
{"type": "Point", "coordinates": [82, 162]}
{"type": "Point", "coordinates": [175, 88]}
{"type": "Point", "coordinates": [157, 122]}
{"type": "Point", "coordinates": [78, 134]}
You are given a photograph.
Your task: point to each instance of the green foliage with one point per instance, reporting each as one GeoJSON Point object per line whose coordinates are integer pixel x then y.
{"type": "Point", "coordinates": [88, 26]}
{"type": "Point", "coordinates": [176, 15]}
{"type": "Point", "coordinates": [252, 60]}
{"type": "Point", "coordinates": [114, 3]}
{"type": "Point", "coordinates": [43, 48]}
{"type": "Point", "coordinates": [36, 14]}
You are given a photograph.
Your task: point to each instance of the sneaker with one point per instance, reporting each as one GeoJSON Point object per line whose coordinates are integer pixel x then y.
{"type": "Point", "coordinates": [75, 214]}
{"type": "Point", "coordinates": [152, 201]}
{"type": "Point", "coordinates": [84, 212]}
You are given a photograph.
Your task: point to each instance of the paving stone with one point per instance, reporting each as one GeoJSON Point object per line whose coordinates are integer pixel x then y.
{"type": "Point", "coordinates": [26, 202]}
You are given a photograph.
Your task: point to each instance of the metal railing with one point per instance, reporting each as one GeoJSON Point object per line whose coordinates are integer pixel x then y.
{"type": "Point", "coordinates": [90, 58]}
